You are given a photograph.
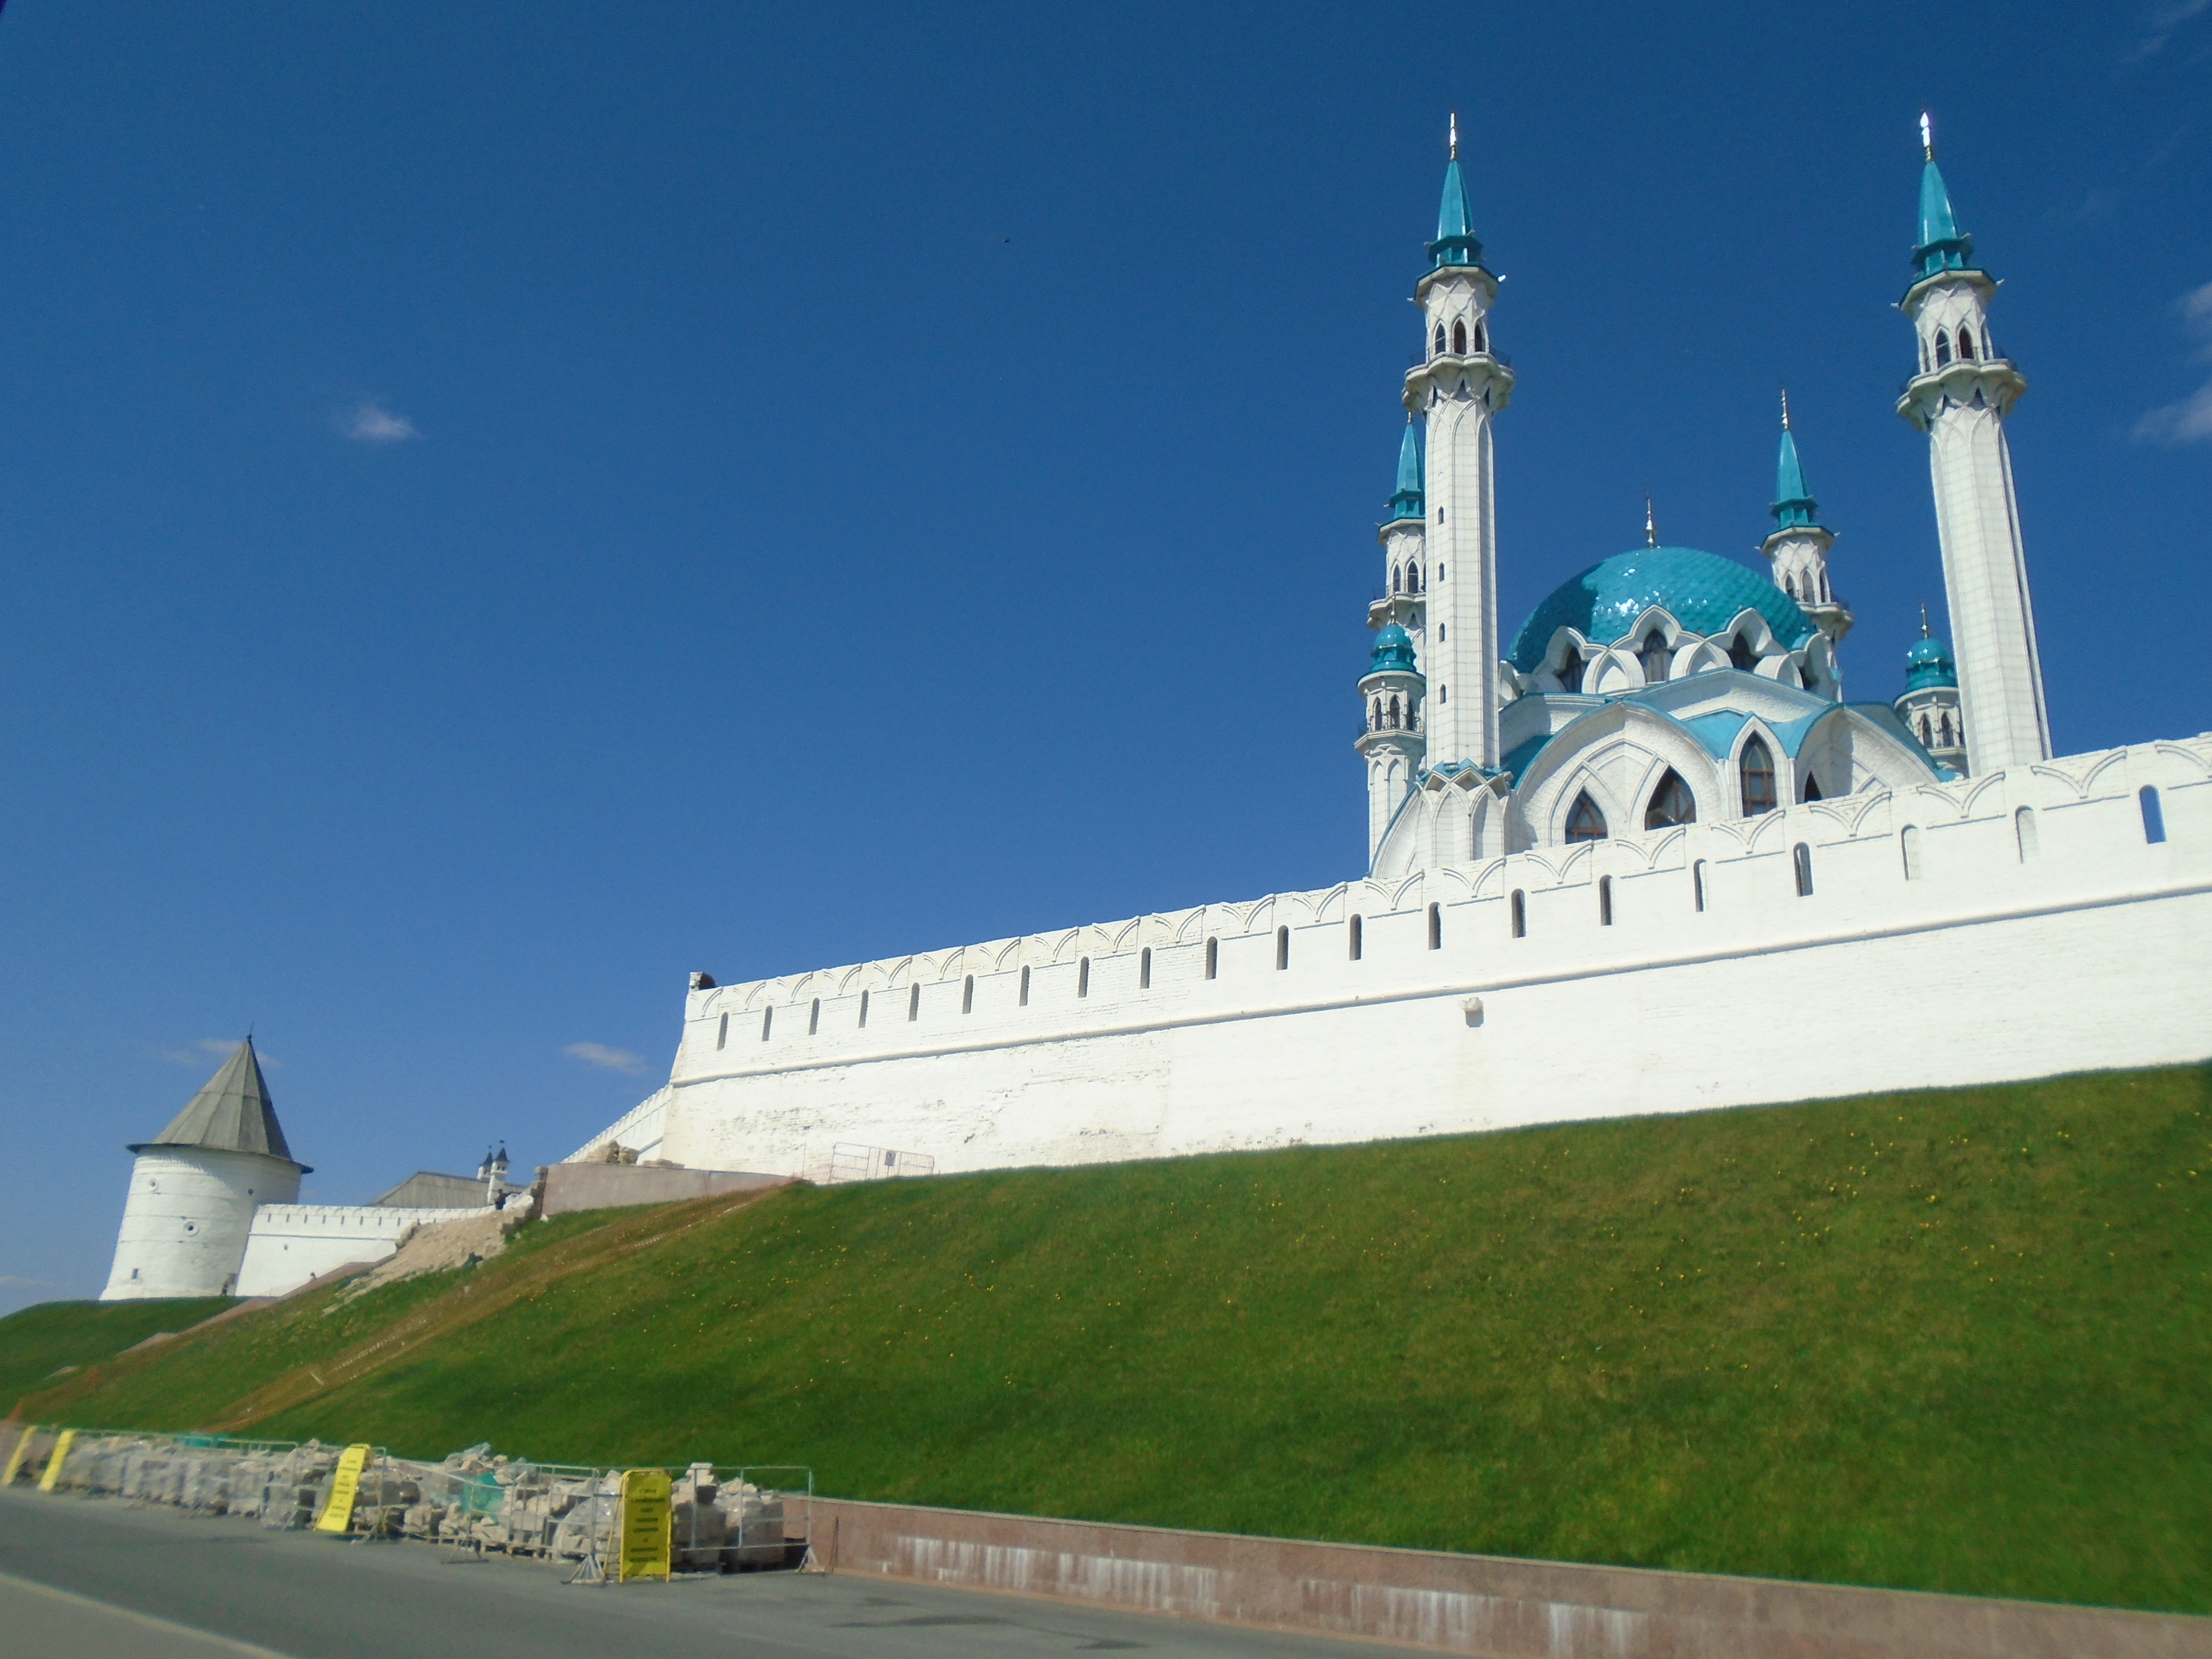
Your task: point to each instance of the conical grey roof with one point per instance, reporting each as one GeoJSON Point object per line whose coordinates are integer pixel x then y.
{"type": "Point", "coordinates": [232, 1114]}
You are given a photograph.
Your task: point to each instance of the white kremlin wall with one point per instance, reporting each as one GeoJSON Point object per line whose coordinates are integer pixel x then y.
{"type": "Point", "coordinates": [292, 1243]}
{"type": "Point", "coordinates": [2012, 925]}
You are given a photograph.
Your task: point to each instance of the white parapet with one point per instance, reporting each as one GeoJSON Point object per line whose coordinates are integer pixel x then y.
{"type": "Point", "coordinates": [293, 1244]}
{"type": "Point", "coordinates": [2008, 926]}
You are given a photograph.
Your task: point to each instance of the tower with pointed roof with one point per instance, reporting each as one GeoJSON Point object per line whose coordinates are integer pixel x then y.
{"type": "Point", "coordinates": [1930, 704]}
{"type": "Point", "coordinates": [1964, 389]}
{"type": "Point", "coordinates": [195, 1187]}
{"type": "Point", "coordinates": [1455, 390]}
{"type": "Point", "coordinates": [1391, 743]}
{"type": "Point", "coordinates": [1798, 549]}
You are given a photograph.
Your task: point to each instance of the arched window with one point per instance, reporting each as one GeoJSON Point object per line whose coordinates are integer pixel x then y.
{"type": "Point", "coordinates": [1083, 977]}
{"type": "Point", "coordinates": [814, 1018]}
{"type": "Point", "coordinates": [1394, 714]}
{"type": "Point", "coordinates": [1926, 740]}
{"type": "Point", "coordinates": [1584, 821]}
{"type": "Point", "coordinates": [1144, 968]}
{"type": "Point", "coordinates": [1740, 655]}
{"type": "Point", "coordinates": [1459, 339]}
{"type": "Point", "coordinates": [2023, 833]}
{"type": "Point", "coordinates": [1023, 994]}
{"type": "Point", "coordinates": [1756, 770]}
{"type": "Point", "coordinates": [1570, 671]}
{"type": "Point", "coordinates": [1801, 863]}
{"type": "Point", "coordinates": [1397, 579]}
{"type": "Point", "coordinates": [2154, 815]}
{"type": "Point", "coordinates": [1908, 847]}
{"type": "Point", "coordinates": [1950, 731]}
{"type": "Point", "coordinates": [1435, 928]}
{"type": "Point", "coordinates": [1354, 940]}
{"type": "Point", "coordinates": [1374, 717]}
{"type": "Point", "coordinates": [1812, 787]}
{"type": "Point", "coordinates": [1966, 343]}
{"type": "Point", "coordinates": [863, 1008]}
{"type": "Point", "coordinates": [1520, 914]}
{"type": "Point", "coordinates": [1697, 885]}
{"type": "Point", "coordinates": [1671, 802]}
{"type": "Point", "coordinates": [1605, 901]}
{"type": "Point", "coordinates": [1439, 350]}
{"type": "Point", "coordinates": [768, 1023]}
{"type": "Point", "coordinates": [1923, 357]}
{"type": "Point", "coordinates": [1656, 657]}
{"type": "Point", "coordinates": [913, 1002]}
{"type": "Point", "coordinates": [722, 1033]}
{"type": "Point", "coordinates": [1443, 692]}
{"type": "Point", "coordinates": [1943, 348]}
{"type": "Point", "coordinates": [1481, 336]}
{"type": "Point", "coordinates": [1412, 578]}
{"type": "Point", "coordinates": [1440, 518]}
{"type": "Point", "coordinates": [1282, 949]}
{"type": "Point", "coordinates": [1213, 957]}
{"type": "Point", "coordinates": [1440, 633]}
{"type": "Point", "coordinates": [967, 994]}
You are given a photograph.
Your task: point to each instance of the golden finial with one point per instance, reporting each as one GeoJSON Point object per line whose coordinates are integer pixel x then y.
{"type": "Point", "coordinates": [1927, 136]}
{"type": "Point", "coordinates": [1454, 135]}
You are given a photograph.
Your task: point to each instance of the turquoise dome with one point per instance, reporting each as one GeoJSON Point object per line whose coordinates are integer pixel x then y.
{"type": "Point", "coordinates": [1393, 651]}
{"type": "Point", "coordinates": [1703, 591]}
{"type": "Point", "coordinates": [1928, 663]}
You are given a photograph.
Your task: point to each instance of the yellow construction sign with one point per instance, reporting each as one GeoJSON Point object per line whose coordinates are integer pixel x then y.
{"type": "Point", "coordinates": [345, 1485]}
{"type": "Point", "coordinates": [15, 1457]}
{"type": "Point", "coordinates": [642, 1527]}
{"type": "Point", "coordinates": [54, 1463]}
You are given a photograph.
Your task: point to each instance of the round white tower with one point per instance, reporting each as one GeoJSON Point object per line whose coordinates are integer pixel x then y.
{"type": "Point", "coordinates": [1959, 398]}
{"type": "Point", "coordinates": [195, 1186]}
{"type": "Point", "coordinates": [1391, 743]}
{"type": "Point", "coordinates": [1456, 388]}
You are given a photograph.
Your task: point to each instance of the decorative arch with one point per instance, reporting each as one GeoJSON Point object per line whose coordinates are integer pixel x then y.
{"type": "Point", "coordinates": [1670, 803]}
{"type": "Point", "coordinates": [1585, 819]}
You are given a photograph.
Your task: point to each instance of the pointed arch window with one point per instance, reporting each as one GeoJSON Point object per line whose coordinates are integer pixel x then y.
{"type": "Point", "coordinates": [1570, 671]}
{"type": "Point", "coordinates": [1926, 739]}
{"type": "Point", "coordinates": [1943, 348]}
{"type": "Point", "coordinates": [1656, 657]}
{"type": "Point", "coordinates": [1908, 847]}
{"type": "Point", "coordinates": [1742, 656]}
{"type": "Point", "coordinates": [1397, 579]}
{"type": "Point", "coordinates": [1584, 821]}
{"type": "Point", "coordinates": [1812, 787]}
{"type": "Point", "coordinates": [1671, 802]}
{"type": "Point", "coordinates": [1394, 715]}
{"type": "Point", "coordinates": [1439, 350]}
{"type": "Point", "coordinates": [1697, 885]}
{"type": "Point", "coordinates": [1213, 957]}
{"type": "Point", "coordinates": [1756, 770]}
{"type": "Point", "coordinates": [1459, 339]}
{"type": "Point", "coordinates": [1481, 336]}
{"type": "Point", "coordinates": [1966, 343]}
{"type": "Point", "coordinates": [1950, 732]}
{"type": "Point", "coordinates": [1374, 719]}
{"type": "Point", "coordinates": [2023, 836]}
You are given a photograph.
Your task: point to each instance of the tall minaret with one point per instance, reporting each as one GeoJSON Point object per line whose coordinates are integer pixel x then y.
{"type": "Point", "coordinates": [1405, 541]}
{"type": "Point", "coordinates": [1457, 389]}
{"type": "Point", "coordinates": [1959, 398]}
{"type": "Point", "coordinates": [1798, 549]}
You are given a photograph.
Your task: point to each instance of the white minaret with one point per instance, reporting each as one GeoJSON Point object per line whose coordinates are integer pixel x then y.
{"type": "Point", "coordinates": [195, 1186]}
{"type": "Point", "coordinates": [1798, 549]}
{"type": "Point", "coordinates": [1390, 696]}
{"type": "Point", "coordinates": [1959, 398]}
{"type": "Point", "coordinates": [1456, 389]}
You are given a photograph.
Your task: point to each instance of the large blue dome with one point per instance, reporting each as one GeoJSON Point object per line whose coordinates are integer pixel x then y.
{"type": "Point", "coordinates": [1703, 592]}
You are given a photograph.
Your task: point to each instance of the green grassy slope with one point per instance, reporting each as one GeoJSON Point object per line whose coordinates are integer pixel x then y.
{"type": "Point", "coordinates": [35, 1342]}
{"type": "Point", "coordinates": [1958, 1340]}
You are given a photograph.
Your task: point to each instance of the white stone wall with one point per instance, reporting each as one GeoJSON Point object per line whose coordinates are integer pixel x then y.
{"type": "Point", "coordinates": [2091, 951]}
{"type": "Point", "coordinates": [185, 1219]}
{"type": "Point", "coordinates": [292, 1243]}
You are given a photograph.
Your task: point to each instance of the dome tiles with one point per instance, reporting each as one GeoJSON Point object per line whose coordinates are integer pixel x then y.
{"type": "Point", "coordinates": [1701, 591]}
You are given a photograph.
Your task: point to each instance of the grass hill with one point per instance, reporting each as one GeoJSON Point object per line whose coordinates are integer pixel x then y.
{"type": "Point", "coordinates": [38, 1341]}
{"type": "Point", "coordinates": [1956, 1340]}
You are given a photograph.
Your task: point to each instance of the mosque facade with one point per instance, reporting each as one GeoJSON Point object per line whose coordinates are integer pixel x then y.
{"type": "Point", "coordinates": [1636, 854]}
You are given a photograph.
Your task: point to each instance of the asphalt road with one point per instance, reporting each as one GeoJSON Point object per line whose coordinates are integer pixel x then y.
{"type": "Point", "coordinates": [93, 1579]}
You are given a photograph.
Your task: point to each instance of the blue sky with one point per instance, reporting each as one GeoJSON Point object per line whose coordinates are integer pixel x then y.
{"type": "Point", "coordinates": [504, 506]}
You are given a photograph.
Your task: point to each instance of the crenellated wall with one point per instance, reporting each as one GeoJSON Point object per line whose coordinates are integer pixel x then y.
{"type": "Point", "coordinates": [292, 1243]}
{"type": "Point", "coordinates": [1944, 939]}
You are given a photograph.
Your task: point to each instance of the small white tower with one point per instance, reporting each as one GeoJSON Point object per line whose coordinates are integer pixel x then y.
{"type": "Point", "coordinates": [1798, 549]}
{"type": "Point", "coordinates": [1405, 549]}
{"type": "Point", "coordinates": [1929, 705]}
{"type": "Point", "coordinates": [1457, 388]}
{"type": "Point", "coordinates": [1390, 694]}
{"type": "Point", "coordinates": [195, 1186]}
{"type": "Point", "coordinates": [1959, 398]}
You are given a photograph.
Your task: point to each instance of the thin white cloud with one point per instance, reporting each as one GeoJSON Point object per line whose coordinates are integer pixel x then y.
{"type": "Point", "coordinates": [370, 423]}
{"type": "Point", "coordinates": [606, 1059]}
{"type": "Point", "coordinates": [220, 1048]}
{"type": "Point", "coordinates": [2158, 24]}
{"type": "Point", "coordinates": [27, 1283]}
{"type": "Point", "coordinates": [2190, 421]}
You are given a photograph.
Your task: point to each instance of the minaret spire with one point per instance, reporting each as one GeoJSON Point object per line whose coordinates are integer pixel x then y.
{"type": "Point", "coordinates": [1961, 397]}
{"type": "Point", "coordinates": [1650, 522]}
{"type": "Point", "coordinates": [1453, 156]}
{"type": "Point", "coordinates": [1798, 548]}
{"type": "Point", "coordinates": [1927, 136]}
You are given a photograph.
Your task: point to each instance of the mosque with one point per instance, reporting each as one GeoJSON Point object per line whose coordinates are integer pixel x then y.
{"type": "Point", "coordinates": [1644, 858]}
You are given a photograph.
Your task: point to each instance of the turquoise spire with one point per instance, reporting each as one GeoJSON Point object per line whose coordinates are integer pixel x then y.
{"type": "Point", "coordinates": [1406, 501]}
{"type": "Point", "coordinates": [1793, 504]}
{"type": "Point", "coordinates": [1455, 243]}
{"type": "Point", "coordinates": [1942, 245]}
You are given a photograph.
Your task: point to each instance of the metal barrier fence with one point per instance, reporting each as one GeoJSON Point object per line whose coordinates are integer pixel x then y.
{"type": "Point", "coordinates": [721, 1519]}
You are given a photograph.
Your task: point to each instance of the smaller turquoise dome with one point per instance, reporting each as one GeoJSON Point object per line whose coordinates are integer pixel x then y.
{"type": "Point", "coordinates": [1928, 663]}
{"type": "Point", "coordinates": [1393, 651]}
